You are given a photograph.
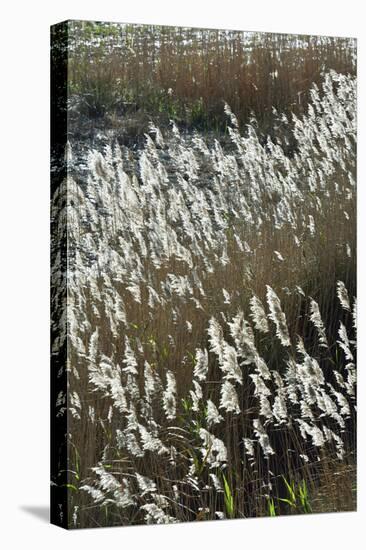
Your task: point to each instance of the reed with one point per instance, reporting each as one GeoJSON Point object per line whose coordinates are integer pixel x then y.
{"type": "Point", "coordinates": [143, 72]}
{"type": "Point", "coordinates": [210, 319]}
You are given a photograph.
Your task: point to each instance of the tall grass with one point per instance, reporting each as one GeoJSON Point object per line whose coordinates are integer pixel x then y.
{"type": "Point", "coordinates": [210, 320]}
{"type": "Point", "coordinates": [185, 74]}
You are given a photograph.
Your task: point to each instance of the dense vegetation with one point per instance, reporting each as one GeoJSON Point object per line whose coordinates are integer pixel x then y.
{"type": "Point", "coordinates": [210, 319]}
{"type": "Point", "coordinates": [125, 75]}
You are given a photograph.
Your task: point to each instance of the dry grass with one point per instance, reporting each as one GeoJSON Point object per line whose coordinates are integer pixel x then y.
{"type": "Point", "coordinates": [149, 257]}
{"type": "Point", "coordinates": [162, 73]}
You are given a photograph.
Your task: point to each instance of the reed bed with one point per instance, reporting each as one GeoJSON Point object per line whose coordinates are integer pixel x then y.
{"type": "Point", "coordinates": [158, 73]}
{"type": "Point", "coordinates": [207, 314]}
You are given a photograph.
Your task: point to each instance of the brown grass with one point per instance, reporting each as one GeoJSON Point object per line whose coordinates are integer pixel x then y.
{"type": "Point", "coordinates": [185, 74]}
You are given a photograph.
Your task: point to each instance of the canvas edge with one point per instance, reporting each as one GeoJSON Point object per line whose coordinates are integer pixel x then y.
{"type": "Point", "coordinates": [59, 492]}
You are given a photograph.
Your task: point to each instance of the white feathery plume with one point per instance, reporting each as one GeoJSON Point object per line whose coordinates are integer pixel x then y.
{"type": "Point", "coordinates": [229, 398]}
{"type": "Point", "coordinates": [132, 387]}
{"type": "Point", "coordinates": [96, 494]}
{"type": "Point", "coordinates": [75, 515]}
{"type": "Point", "coordinates": [61, 399]}
{"type": "Point", "coordinates": [161, 500]}
{"type": "Point", "coordinates": [301, 347]}
{"type": "Point", "coordinates": [263, 438]}
{"type": "Point", "coordinates": [265, 407]}
{"type": "Point", "coordinates": [262, 368]}
{"type": "Point", "coordinates": [155, 515]}
{"type": "Point", "coordinates": [150, 382]}
{"type": "Point", "coordinates": [121, 495]}
{"type": "Point", "coordinates": [279, 407]}
{"type": "Point", "coordinates": [243, 336]}
{"type": "Point", "coordinates": [146, 485]}
{"type": "Point", "coordinates": [316, 319]}
{"type": "Point", "coordinates": [305, 409]}
{"type": "Point", "coordinates": [258, 315]}
{"type": "Point", "coordinates": [196, 396]}
{"type": "Point", "coordinates": [226, 354]}
{"type": "Point", "coordinates": [201, 364]}
{"type": "Point", "coordinates": [154, 298]}
{"type": "Point", "coordinates": [216, 483]}
{"type": "Point", "coordinates": [351, 379]}
{"type": "Point", "coordinates": [279, 256]}
{"type": "Point", "coordinates": [340, 380]}
{"type": "Point", "coordinates": [93, 346]}
{"type": "Point", "coordinates": [75, 405]}
{"type": "Point", "coordinates": [260, 387]}
{"type": "Point", "coordinates": [291, 381]}
{"type": "Point", "coordinates": [134, 289]}
{"type": "Point", "coordinates": [354, 313]}
{"type": "Point", "coordinates": [345, 410]}
{"type": "Point", "coordinates": [311, 225]}
{"type": "Point", "coordinates": [344, 341]}
{"type": "Point", "coordinates": [278, 316]}
{"type": "Point", "coordinates": [229, 364]}
{"type": "Point", "coordinates": [129, 359]}
{"type": "Point", "coordinates": [216, 337]}
{"type": "Point", "coordinates": [230, 114]}
{"type": "Point", "coordinates": [330, 435]}
{"type": "Point", "coordinates": [91, 414]}
{"type": "Point", "coordinates": [249, 447]}
{"type": "Point", "coordinates": [329, 408]}
{"type": "Point", "coordinates": [227, 298]}
{"type": "Point", "coordinates": [151, 442]}
{"type": "Point", "coordinates": [213, 450]}
{"type": "Point", "coordinates": [343, 296]}
{"type": "Point", "coordinates": [299, 290]}
{"type": "Point", "coordinates": [213, 415]}
{"type": "Point", "coordinates": [130, 442]}
{"type": "Point", "coordinates": [313, 431]}
{"type": "Point", "coordinates": [169, 396]}
{"type": "Point", "coordinates": [117, 391]}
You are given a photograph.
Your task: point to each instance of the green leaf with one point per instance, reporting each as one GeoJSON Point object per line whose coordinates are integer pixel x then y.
{"type": "Point", "coordinates": [229, 501]}
{"type": "Point", "coordinates": [271, 507]}
{"type": "Point", "coordinates": [70, 486]}
{"type": "Point", "coordinates": [287, 501]}
{"type": "Point", "coordinates": [304, 497]}
{"type": "Point", "coordinates": [291, 491]}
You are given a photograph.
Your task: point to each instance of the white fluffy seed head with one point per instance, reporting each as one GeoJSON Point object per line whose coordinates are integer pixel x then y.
{"type": "Point", "coordinates": [278, 317]}
{"type": "Point", "coordinates": [343, 296]}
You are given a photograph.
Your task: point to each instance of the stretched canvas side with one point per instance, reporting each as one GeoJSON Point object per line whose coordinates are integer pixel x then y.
{"type": "Point", "coordinates": [59, 405]}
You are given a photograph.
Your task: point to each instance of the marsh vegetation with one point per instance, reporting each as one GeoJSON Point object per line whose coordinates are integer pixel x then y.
{"type": "Point", "coordinates": [206, 311]}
